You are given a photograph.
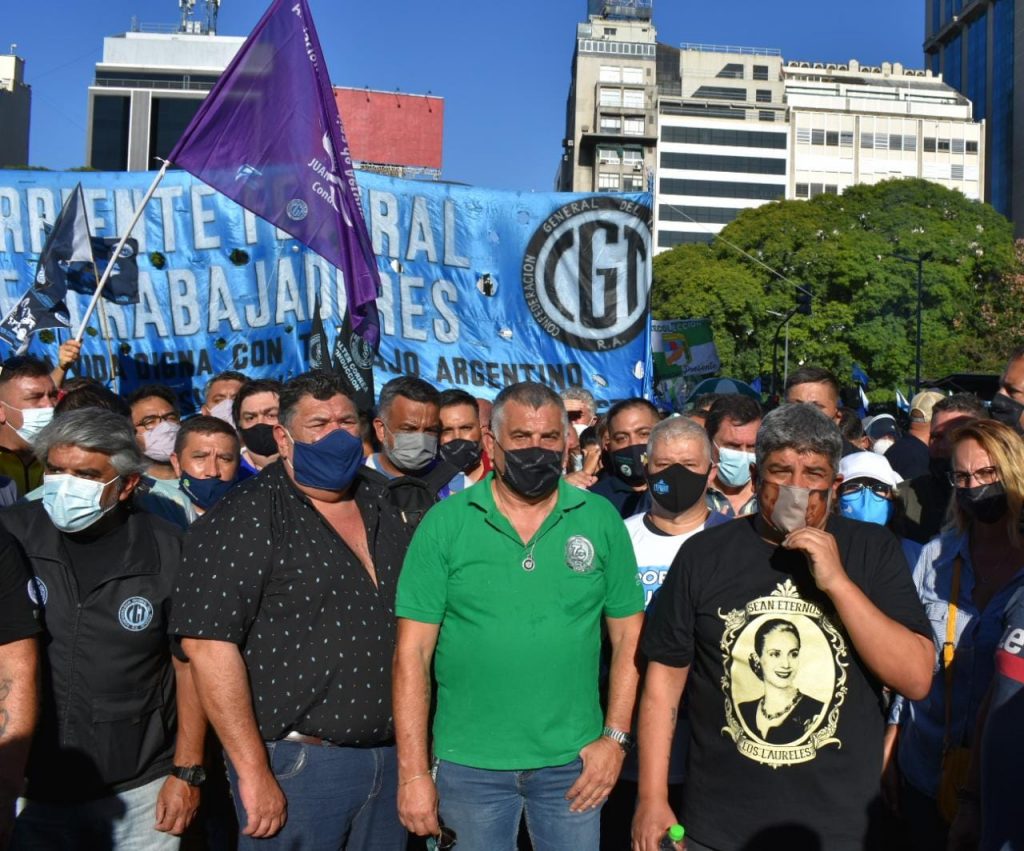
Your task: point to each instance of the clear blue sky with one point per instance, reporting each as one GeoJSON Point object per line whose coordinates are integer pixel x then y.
{"type": "Point", "coordinates": [503, 68]}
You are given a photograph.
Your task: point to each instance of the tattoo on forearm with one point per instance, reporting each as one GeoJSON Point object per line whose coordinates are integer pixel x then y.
{"type": "Point", "coordinates": [5, 716]}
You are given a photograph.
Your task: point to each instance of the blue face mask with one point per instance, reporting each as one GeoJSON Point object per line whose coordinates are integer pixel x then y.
{"type": "Point", "coordinates": [330, 464]}
{"type": "Point", "coordinates": [74, 504]}
{"type": "Point", "coordinates": [734, 466]}
{"type": "Point", "coordinates": [866, 506]}
{"type": "Point", "coordinates": [205, 493]}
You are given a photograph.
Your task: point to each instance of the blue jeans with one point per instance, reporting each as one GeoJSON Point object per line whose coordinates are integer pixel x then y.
{"type": "Point", "coordinates": [338, 798]}
{"type": "Point", "coordinates": [483, 807]}
{"type": "Point", "coordinates": [122, 822]}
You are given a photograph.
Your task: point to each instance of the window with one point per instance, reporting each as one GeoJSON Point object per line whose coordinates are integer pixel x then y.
{"type": "Point", "coordinates": [610, 31]}
{"type": "Point", "coordinates": [721, 93]}
{"type": "Point", "coordinates": [633, 98]}
{"type": "Point", "coordinates": [803, 136]}
{"type": "Point", "coordinates": [704, 215]}
{"type": "Point", "coordinates": [608, 156]}
{"type": "Point", "coordinates": [760, 72]}
{"type": "Point", "coordinates": [722, 189]}
{"type": "Point", "coordinates": [611, 97]}
{"type": "Point", "coordinates": [610, 124]}
{"type": "Point", "coordinates": [895, 142]}
{"type": "Point", "coordinates": [632, 183]}
{"type": "Point", "coordinates": [633, 127]}
{"type": "Point", "coordinates": [957, 146]}
{"type": "Point", "coordinates": [110, 132]}
{"type": "Point", "coordinates": [867, 140]}
{"type": "Point", "coordinates": [764, 95]}
{"type": "Point", "coordinates": [732, 71]}
{"type": "Point", "coordinates": [608, 183]}
{"type": "Point", "coordinates": [715, 162]}
{"type": "Point", "coordinates": [956, 171]}
{"type": "Point", "coordinates": [846, 139]}
{"type": "Point", "coordinates": [929, 144]}
{"type": "Point", "coordinates": [910, 143]}
{"type": "Point", "coordinates": [735, 138]}
{"type": "Point", "coordinates": [803, 190]}
{"type": "Point", "coordinates": [611, 74]}
{"type": "Point", "coordinates": [943, 145]}
{"type": "Point", "coordinates": [831, 189]}
{"type": "Point", "coordinates": [765, 115]}
{"type": "Point", "coordinates": [817, 189]}
{"type": "Point", "coordinates": [168, 119]}
{"type": "Point", "coordinates": [633, 76]}
{"type": "Point", "coordinates": [670, 238]}
{"type": "Point", "coordinates": [832, 138]}
{"type": "Point", "coordinates": [817, 137]}
{"type": "Point", "coordinates": [971, 147]}
{"type": "Point", "coordinates": [881, 142]}
{"type": "Point", "coordinates": [632, 157]}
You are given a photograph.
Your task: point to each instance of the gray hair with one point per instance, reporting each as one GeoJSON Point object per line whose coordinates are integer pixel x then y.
{"type": "Point", "coordinates": [531, 395]}
{"type": "Point", "coordinates": [580, 394]}
{"type": "Point", "coordinates": [94, 430]}
{"type": "Point", "coordinates": [679, 428]}
{"type": "Point", "coordinates": [801, 427]}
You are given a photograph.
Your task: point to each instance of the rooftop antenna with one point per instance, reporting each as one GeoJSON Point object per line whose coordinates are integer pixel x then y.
{"type": "Point", "coordinates": [13, 48]}
{"type": "Point", "coordinates": [212, 9]}
{"type": "Point", "coordinates": [186, 13]}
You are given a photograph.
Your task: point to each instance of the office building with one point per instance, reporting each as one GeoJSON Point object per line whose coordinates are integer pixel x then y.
{"type": "Point", "coordinates": [851, 123]}
{"type": "Point", "coordinates": [978, 47]}
{"type": "Point", "coordinates": [147, 88]}
{"type": "Point", "coordinates": [722, 139]}
{"type": "Point", "coordinates": [612, 113]}
{"type": "Point", "coordinates": [15, 111]}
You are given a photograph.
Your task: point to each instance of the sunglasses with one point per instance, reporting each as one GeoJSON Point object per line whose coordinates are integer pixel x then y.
{"type": "Point", "coordinates": [877, 488]}
{"type": "Point", "coordinates": [444, 841]}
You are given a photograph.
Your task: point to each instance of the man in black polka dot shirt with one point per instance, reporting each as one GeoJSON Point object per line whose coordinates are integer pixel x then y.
{"type": "Point", "coordinates": [285, 606]}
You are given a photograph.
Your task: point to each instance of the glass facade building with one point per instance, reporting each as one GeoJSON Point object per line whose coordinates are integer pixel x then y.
{"type": "Point", "coordinates": [972, 44]}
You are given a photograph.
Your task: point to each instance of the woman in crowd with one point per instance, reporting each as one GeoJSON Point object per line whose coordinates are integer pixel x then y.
{"type": "Point", "coordinates": [965, 577]}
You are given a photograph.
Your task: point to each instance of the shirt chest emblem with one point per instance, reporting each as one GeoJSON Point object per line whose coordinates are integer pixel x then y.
{"type": "Point", "coordinates": [37, 592]}
{"type": "Point", "coordinates": [135, 614]}
{"type": "Point", "coordinates": [579, 554]}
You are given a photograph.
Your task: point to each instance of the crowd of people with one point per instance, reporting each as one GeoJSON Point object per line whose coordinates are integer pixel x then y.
{"type": "Point", "coordinates": [286, 623]}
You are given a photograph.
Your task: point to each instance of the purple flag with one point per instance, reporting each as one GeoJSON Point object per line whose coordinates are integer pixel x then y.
{"type": "Point", "coordinates": [270, 138]}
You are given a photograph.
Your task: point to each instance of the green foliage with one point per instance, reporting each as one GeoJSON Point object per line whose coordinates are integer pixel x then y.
{"type": "Point", "coordinates": [865, 301]}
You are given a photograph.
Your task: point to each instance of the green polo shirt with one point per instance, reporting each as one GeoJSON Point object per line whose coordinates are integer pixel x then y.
{"type": "Point", "coordinates": [517, 654]}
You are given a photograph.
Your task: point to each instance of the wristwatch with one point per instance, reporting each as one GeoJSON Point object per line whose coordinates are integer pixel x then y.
{"type": "Point", "coordinates": [623, 740]}
{"type": "Point", "coordinates": [194, 775]}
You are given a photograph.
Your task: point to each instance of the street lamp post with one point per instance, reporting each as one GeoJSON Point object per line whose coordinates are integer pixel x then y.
{"type": "Point", "coordinates": [919, 262]}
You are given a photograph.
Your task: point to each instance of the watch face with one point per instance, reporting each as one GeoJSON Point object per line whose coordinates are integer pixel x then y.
{"type": "Point", "coordinates": [194, 775]}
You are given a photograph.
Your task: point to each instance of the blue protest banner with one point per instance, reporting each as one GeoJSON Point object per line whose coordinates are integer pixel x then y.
{"type": "Point", "coordinates": [479, 288]}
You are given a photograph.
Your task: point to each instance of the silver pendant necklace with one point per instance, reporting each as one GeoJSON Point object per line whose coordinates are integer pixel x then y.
{"type": "Point", "coordinates": [528, 563]}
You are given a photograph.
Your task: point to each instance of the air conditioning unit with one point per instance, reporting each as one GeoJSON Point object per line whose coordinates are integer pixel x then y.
{"type": "Point", "coordinates": [585, 128]}
{"type": "Point", "coordinates": [638, 167]}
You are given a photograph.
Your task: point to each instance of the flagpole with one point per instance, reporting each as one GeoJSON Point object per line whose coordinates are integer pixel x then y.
{"type": "Point", "coordinates": [114, 380]}
{"type": "Point", "coordinates": [117, 250]}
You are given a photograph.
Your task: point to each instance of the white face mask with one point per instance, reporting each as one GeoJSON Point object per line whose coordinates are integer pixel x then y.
{"type": "Point", "coordinates": [223, 410]}
{"type": "Point", "coordinates": [580, 428]}
{"type": "Point", "coordinates": [33, 421]}
{"type": "Point", "coordinates": [160, 441]}
{"type": "Point", "coordinates": [881, 446]}
{"type": "Point", "coordinates": [74, 503]}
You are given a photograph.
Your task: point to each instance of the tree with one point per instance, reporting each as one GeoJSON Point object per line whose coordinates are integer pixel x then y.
{"type": "Point", "coordinates": [864, 299]}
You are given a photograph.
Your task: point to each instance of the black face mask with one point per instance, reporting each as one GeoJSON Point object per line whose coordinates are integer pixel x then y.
{"type": "Point", "coordinates": [985, 503]}
{"type": "Point", "coordinates": [463, 455]}
{"type": "Point", "coordinates": [676, 488]}
{"type": "Point", "coordinates": [533, 472]}
{"type": "Point", "coordinates": [628, 464]}
{"type": "Point", "coordinates": [259, 439]}
{"type": "Point", "coordinates": [1007, 411]}
{"type": "Point", "coordinates": [940, 468]}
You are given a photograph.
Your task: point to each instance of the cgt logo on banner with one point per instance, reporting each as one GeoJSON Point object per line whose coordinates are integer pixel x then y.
{"type": "Point", "coordinates": [587, 273]}
{"type": "Point", "coordinates": [479, 288]}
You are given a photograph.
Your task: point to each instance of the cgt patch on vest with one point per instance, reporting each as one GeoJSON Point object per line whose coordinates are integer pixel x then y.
{"type": "Point", "coordinates": [37, 592]}
{"type": "Point", "coordinates": [135, 614]}
{"type": "Point", "coordinates": [587, 272]}
{"type": "Point", "coordinates": [579, 554]}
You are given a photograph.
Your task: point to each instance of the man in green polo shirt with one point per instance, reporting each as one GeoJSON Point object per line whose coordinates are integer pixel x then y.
{"type": "Point", "coordinates": [505, 586]}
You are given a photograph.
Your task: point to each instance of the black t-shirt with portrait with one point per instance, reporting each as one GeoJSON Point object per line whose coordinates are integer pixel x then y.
{"type": "Point", "coordinates": [786, 721]}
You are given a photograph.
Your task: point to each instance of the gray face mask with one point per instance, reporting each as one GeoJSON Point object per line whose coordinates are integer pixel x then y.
{"type": "Point", "coordinates": [412, 450]}
{"type": "Point", "coordinates": [790, 510]}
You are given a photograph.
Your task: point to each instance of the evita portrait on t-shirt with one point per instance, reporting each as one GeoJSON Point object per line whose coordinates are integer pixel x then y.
{"type": "Point", "coordinates": [785, 678]}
